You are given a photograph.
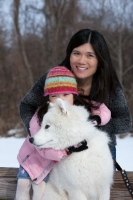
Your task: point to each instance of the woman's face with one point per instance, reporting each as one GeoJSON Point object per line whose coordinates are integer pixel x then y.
{"type": "Point", "coordinates": [67, 97]}
{"type": "Point", "coordinates": [83, 61]}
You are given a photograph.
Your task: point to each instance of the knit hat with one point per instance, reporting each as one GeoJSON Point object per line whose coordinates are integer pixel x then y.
{"type": "Point", "coordinates": [60, 80]}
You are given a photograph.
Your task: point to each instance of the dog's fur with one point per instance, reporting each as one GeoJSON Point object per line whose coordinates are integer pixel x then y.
{"type": "Point", "coordinates": [85, 175]}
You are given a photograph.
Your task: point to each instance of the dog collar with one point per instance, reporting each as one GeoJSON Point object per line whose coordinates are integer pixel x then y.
{"type": "Point", "coordinates": [77, 148]}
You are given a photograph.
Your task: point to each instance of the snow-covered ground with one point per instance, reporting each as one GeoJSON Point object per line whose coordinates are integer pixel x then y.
{"type": "Point", "coordinates": [9, 148]}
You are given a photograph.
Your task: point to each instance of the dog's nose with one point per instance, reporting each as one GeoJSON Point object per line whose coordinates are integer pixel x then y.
{"type": "Point", "coordinates": [31, 140]}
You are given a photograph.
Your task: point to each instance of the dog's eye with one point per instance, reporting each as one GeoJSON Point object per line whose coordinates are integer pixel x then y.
{"type": "Point", "coordinates": [47, 126]}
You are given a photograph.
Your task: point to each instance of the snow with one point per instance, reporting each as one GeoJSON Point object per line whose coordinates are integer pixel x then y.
{"type": "Point", "coordinates": [14, 131]}
{"type": "Point", "coordinates": [124, 151]}
{"type": "Point", "coordinates": [10, 146]}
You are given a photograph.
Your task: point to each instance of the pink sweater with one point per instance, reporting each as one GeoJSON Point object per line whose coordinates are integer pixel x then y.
{"type": "Point", "coordinates": [39, 162]}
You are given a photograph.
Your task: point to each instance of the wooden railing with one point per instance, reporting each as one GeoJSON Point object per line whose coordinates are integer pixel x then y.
{"type": "Point", "coordinates": [8, 184]}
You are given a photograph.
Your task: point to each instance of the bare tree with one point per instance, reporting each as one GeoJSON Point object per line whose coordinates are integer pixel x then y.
{"type": "Point", "coordinates": [16, 7]}
{"type": "Point", "coordinates": [60, 22]}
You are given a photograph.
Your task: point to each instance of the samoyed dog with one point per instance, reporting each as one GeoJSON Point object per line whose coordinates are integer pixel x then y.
{"type": "Point", "coordinates": [84, 175]}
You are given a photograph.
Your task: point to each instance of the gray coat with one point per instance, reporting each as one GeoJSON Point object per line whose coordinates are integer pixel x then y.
{"type": "Point", "coordinates": [120, 122]}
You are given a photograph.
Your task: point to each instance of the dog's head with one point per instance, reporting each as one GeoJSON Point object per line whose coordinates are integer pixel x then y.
{"type": "Point", "coordinates": [62, 126]}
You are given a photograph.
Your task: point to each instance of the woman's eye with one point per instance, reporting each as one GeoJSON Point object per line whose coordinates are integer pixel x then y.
{"type": "Point", "coordinates": [47, 126]}
{"type": "Point", "coordinates": [91, 55]}
{"type": "Point", "coordinates": [75, 53]}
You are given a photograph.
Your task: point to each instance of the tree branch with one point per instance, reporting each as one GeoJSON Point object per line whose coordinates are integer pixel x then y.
{"type": "Point", "coordinates": [128, 69]}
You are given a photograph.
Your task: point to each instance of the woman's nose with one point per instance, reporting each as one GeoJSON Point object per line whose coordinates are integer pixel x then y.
{"type": "Point", "coordinates": [82, 59]}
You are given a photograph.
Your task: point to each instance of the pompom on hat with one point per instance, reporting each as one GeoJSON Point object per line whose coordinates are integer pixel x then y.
{"type": "Point", "coordinates": [60, 80]}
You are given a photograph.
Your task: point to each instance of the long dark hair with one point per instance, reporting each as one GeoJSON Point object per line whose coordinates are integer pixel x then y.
{"type": "Point", "coordinates": [105, 79]}
{"type": "Point", "coordinates": [78, 100]}
{"type": "Point", "coordinates": [42, 108]}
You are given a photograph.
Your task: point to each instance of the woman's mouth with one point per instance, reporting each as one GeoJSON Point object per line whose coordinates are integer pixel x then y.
{"type": "Point", "coordinates": [82, 68]}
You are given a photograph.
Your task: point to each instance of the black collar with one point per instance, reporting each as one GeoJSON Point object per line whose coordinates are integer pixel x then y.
{"type": "Point", "coordinates": [77, 148]}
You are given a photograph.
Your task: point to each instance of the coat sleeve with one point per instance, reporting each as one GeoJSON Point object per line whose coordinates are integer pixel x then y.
{"type": "Point", "coordinates": [30, 102]}
{"type": "Point", "coordinates": [34, 126]}
{"type": "Point", "coordinates": [52, 154]}
{"type": "Point", "coordinates": [103, 112]}
{"type": "Point", "coordinates": [121, 121]}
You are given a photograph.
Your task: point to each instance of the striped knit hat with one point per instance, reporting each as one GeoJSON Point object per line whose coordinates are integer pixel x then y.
{"type": "Point", "coordinates": [60, 80]}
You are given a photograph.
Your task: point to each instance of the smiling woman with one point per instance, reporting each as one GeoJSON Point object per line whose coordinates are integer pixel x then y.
{"type": "Point", "coordinates": [84, 65]}
{"type": "Point", "coordinates": [88, 57]}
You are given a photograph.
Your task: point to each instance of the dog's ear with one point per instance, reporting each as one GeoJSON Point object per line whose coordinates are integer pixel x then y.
{"type": "Point", "coordinates": [61, 105]}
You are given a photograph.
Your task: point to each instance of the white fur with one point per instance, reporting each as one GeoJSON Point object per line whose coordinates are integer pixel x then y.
{"type": "Point", "coordinates": [86, 175]}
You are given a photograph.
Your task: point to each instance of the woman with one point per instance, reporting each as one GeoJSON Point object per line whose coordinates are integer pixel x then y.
{"type": "Point", "coordinates": [88, 57]}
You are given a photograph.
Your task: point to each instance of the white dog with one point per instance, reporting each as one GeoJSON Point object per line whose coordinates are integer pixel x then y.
{"type": "Point", "coordinates": [85, 175]}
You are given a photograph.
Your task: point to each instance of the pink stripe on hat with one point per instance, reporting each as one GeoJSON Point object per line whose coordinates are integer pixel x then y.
{"type": "Point", "coordinates": [60, 80]}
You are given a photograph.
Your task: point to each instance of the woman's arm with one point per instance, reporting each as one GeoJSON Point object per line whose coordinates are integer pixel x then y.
{"type": "Point", "coordinates": [30, 102]}
{"type": "Point", "coordinates": [121, 121]}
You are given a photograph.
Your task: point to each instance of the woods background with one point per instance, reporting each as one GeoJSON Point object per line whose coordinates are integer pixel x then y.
{"type": "Point", "coordinates": [33, 38]}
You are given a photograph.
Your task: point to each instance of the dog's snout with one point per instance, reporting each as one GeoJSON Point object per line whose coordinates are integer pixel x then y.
{"type": "Point", "coordinates": [31, 140]}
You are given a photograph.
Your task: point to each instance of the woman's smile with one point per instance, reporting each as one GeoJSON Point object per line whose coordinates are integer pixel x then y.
{"type": "Point", "coordinates": [83, 61]}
